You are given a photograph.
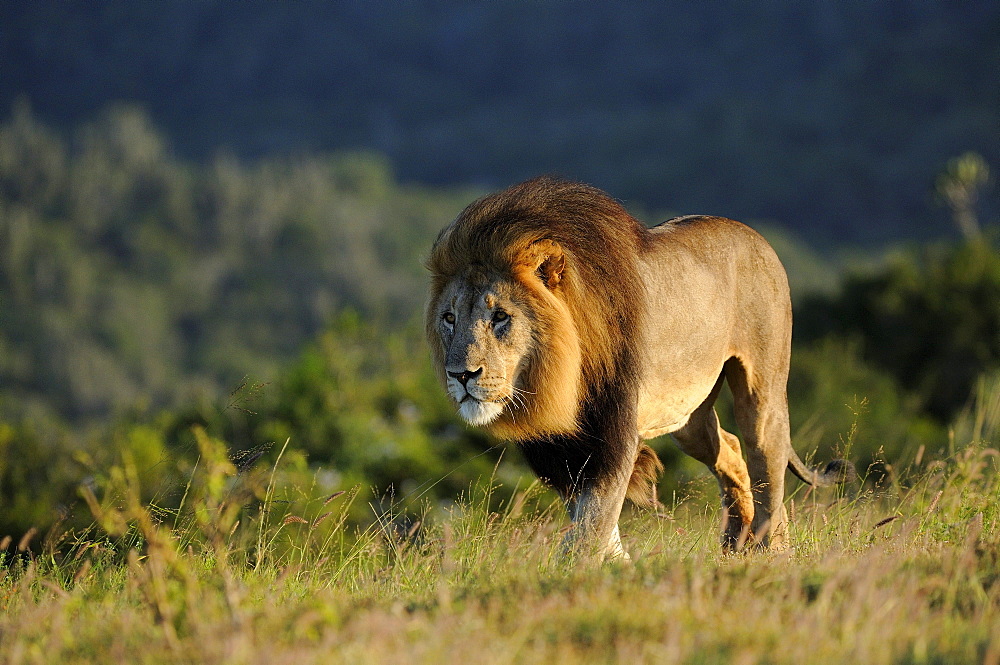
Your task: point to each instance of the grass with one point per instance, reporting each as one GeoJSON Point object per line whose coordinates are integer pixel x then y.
{"type": "Point", "coordinates": [899, 574]}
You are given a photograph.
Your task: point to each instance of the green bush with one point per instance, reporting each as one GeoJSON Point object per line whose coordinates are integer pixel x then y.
{"type": "Point", "coordinates": [931, 319]}
{"type": "Point", "coordinates": [364, 405]}
{"type": "Point", "coordinates": [841, 406]}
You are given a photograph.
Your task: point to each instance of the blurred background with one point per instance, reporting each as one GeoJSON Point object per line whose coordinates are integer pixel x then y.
{"type": "Point", "coordinates": [215, 213]}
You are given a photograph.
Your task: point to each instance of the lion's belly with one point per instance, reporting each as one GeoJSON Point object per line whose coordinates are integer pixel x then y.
{"type": "Point", "coordinates": [666, 405]}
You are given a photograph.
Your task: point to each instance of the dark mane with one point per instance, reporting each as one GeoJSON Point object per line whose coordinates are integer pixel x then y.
{"type": "Point", "coordinates": [601, 291]}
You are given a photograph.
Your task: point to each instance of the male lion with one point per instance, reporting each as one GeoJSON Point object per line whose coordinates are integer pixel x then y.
{"type": "Point", "coordinates": [559, 321]}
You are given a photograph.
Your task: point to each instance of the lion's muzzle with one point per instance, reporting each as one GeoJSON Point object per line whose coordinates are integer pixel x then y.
{"type": "Point", "coordinates": [476, 404]}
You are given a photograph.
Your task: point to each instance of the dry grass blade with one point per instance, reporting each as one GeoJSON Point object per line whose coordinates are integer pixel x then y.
{"type": "Point", "coordinates": [82, 571]}
{"type": "Point", "coordinates": [887, 520]}
{"type": "Point", "coordinates": [333, 496]}
{"type": "Point", "coordinates": [934, 502]}
{"type": "Point", "coordinates": [322, 518]}
{"type": "Point", "coordinates": [25, 541]}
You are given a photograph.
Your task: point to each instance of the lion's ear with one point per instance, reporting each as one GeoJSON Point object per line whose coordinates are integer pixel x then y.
{"type": "Point", "coordinates": [546, 259]}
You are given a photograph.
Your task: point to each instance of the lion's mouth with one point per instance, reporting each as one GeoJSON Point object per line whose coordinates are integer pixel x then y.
{"type": "Point", "coordinates": [478, 412]}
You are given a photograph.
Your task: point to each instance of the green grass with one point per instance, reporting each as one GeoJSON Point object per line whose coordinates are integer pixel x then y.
{"type": "Point", "coordinates": [886, 575]}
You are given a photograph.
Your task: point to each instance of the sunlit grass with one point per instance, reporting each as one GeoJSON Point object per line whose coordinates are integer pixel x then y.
{"type": "Point", "coordinates": [904, 572]}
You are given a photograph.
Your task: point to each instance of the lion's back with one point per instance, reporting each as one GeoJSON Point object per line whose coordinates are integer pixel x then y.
{"type": "Point", "coordinates": [730, 251]}
{"type": "Point", "coordinates": [714, 289]}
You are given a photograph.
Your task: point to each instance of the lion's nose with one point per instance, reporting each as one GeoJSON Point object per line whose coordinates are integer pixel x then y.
{"type": "Point", "coordinates": [463, 377]}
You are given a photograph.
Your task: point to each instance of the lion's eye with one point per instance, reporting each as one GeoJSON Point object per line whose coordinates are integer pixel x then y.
{"type": "Point", "coordinates": [449, 318]}
{"type": "Point", "coordinates": [500, 316]}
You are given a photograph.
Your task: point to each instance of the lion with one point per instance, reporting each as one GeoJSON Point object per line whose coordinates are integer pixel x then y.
{"type": "Point", "coordinates": [560, 322]}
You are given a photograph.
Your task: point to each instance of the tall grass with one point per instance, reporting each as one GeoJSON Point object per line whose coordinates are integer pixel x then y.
{"type": "Point", "coordinates": [905, 571]}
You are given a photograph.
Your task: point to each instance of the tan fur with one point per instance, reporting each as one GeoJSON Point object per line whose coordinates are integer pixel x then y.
{"type": "Point", "coordinates": [642, 483]}
{"type": "Point", "coordinates": [559, 321]}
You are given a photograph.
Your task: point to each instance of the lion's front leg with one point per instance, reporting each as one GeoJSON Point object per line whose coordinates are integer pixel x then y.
{"type": "Point", "coordinates": [591, 471]}
{"type": "Point", "coordinates": [595, 511]}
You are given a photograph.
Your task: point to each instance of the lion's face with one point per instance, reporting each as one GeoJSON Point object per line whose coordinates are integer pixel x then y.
{"type": "Point", "coordinates": [486, 332]}
{"type": "Point", "coordinates": [504, 338]}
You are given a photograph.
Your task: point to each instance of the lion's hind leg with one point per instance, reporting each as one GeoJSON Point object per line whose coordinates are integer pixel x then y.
{"type": "Point", "coordinates": [761, 409]}
{"type": "Point", "coordinates": [704, 439]}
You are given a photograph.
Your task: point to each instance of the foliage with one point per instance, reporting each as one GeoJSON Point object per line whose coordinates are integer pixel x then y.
{"type": "Point", "coordinates": [840, 406]}
{"type": "Point", "coordinates": [364, 408]}
{"type": "Point", "coordinates": [38, 477]}
{"type": "Point", "coordinates": [930, 318]}
{"type": "Point", "coordinates": [128, 277]}
{"type": "Point", "coordinates": [360, 410]}
{"type": "Point", "coordinates": [960, 186]}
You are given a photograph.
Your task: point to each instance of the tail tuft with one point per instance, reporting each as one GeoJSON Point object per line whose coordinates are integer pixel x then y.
{"type": "Point", "coordinates": [840, 471]}
{"type": "Point", "coordinates": [642, 484]}
{"type": "Point", "coordinates": [836, 472]}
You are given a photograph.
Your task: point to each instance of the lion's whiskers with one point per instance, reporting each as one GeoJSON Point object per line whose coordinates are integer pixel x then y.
{"type": "Point", "coordinates": [517, 399]}
{"type": "Point", "coordinates": [508, 400]}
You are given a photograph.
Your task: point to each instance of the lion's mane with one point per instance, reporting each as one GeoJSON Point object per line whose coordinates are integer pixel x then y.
{"type": "Point", "coordinates": [586, 325]}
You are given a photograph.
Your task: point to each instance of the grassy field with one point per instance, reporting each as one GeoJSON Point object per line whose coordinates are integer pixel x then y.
{"type": "Point", "coordinates": [245, 572]}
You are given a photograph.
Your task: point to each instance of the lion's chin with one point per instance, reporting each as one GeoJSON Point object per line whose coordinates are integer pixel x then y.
{"type": "Point", "coordinates": [479, 413]}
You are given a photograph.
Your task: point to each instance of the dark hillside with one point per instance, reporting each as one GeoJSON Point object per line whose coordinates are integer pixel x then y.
{"type": "Point", "coordinates": [831, 118]}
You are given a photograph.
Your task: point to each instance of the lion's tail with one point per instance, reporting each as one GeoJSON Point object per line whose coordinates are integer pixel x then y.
{"type": "Point", "coordinates": [648, 467]}
{"type": "Point", "coordinates": [642, 485]}
{"type": "Point", "coordinates": [834, 473]}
